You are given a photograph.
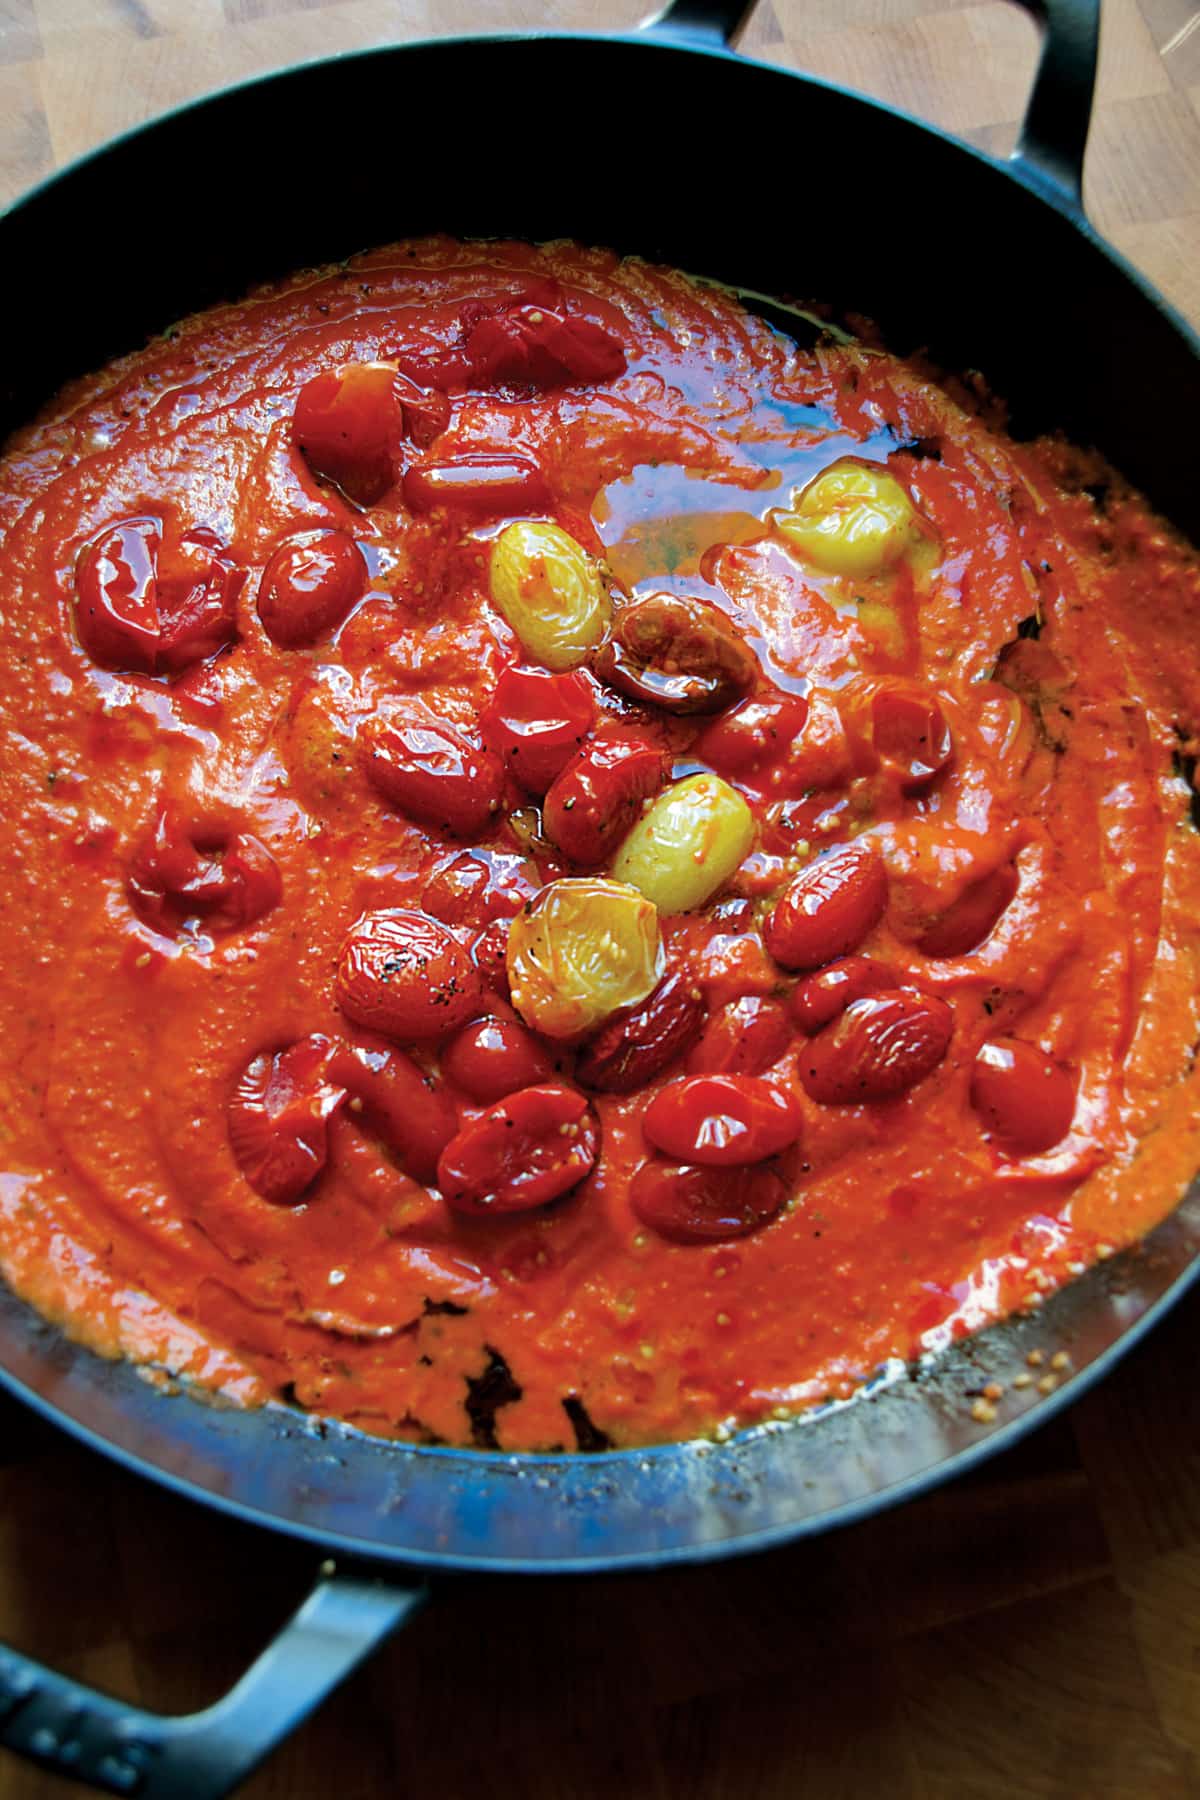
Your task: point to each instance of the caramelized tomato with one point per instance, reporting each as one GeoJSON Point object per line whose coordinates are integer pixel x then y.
{"type": "Point", "coordinates": [405, 975]}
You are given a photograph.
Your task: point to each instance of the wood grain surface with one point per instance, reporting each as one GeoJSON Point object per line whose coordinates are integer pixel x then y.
{"type": "Point", "coordinates": [1034, 1630]}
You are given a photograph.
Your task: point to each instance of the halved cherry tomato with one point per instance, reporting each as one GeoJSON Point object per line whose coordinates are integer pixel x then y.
{"type": "Point", "coordinates": [592, 804]}
{"type": "Point", "coordinates": [405, 975]}
{"type": "Point", "coordinates": [635, 1046]}
{"type": "Point", "coordinates": [524, 1152]}
{"type": "Point", "coordinates": [880, 1046]}
{"type": "Point", "coordinates": [154, 607]}
{"type": "Point", "coordinates": [488, 487]}
{"type": "Point", "coordinates": [434, 773]}
{"type": "Point", "coordinates": [745, 1037]}
{"type": "Point", "coordinates": [347, 423]}
{"type": "Point", "coordinates": [414, 1118]}
{"type": "Point", "coordinates": [721, 1121]}
{"type": "Point", "coordinates": [425, 411]}
{"type": "Point", "coordinates": [693, 1205]}
{"type": "Point", "coordinates": [973, 917]}
{"type": "Point", "coordinates": [911, 736]}
{"type": "Point", "coordinates": [494, 1057]}
{"type": "Point", "coordinates": [309, 585]}
{"type": "Point", "coordinates": [205, 870]}
{"type": "Point", "coordinates": [829, 908]}
{"type": "Point", "coordinates": [278, 1117]}
{"type": "Point", "coordinates": [754, 732]}
{"type": "Point", "coordinates": [1023, 1097]}
{"type": "Point", "coordinates": [537, 721]}
{"type": "Point", "coordinates": [822, 996]}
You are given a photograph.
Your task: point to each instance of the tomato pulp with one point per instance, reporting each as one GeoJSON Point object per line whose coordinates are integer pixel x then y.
{"type": "Point", "coordinates": [343, 623]}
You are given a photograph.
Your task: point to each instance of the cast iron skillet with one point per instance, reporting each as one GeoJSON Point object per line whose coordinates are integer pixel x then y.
{"type": "Point", "coordinates": [990, 267]}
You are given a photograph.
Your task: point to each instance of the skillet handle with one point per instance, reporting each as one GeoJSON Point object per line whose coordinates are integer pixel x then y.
{"type": "Point", "coordinates": [1050, 151]}
{"type": "Point", "coordinates": [711, 22]}
{"type": "Point", "coordinates": [105, 1743]}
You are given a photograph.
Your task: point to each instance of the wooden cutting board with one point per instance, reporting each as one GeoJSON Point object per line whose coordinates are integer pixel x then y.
{"type": "Point", "coordinates": [1032, 1631]}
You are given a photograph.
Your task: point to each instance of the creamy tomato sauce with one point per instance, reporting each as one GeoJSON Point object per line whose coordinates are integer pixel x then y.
{"type": "Point", "coordinates": [937, 718]}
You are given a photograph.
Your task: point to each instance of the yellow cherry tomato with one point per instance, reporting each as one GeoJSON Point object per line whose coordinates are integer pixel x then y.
{"type": "Point", "coordinates": [687, 844]}
{"type": "Point", "coordinates": [853, 519]}
{"type": "Point", "coordinates": [581, 949]}
{"type": "Point", "coordinates": [551, 592]}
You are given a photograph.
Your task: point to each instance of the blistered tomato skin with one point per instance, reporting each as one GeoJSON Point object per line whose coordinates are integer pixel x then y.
{"type": "Point", "coordinates": [746, 1037]}
{"type": "Point", "coordinates": [406, 976]}
{"type": "Point", "coordinates": [828, 909]}
{"type": "Point", "coordinates": [752, 733]}
{"type": "Point", "coordinates": [692, 1204]}
{"type": "Point", "coordinates": [207, 870]}
{"type": "Point", "coordinates": [598, 796]}
{"type": "Point", "coordinates": [679, 654]}
{"type": "Point", "coordinates": [154, 607]}
{"type": "Point", "coordinates": [346, 426]}
{"type": "Point", "coordinates": [878, 1048]}
{"type": "Point", "coordinates": [278, 1119]}
{"type": "Point", "coordinates": [434, 773]}
{"type": "Point", "coordinates": [309, 585]}
{"type": "Point", "coordinates": [820, 997]}
{"type": "Point", "coordinates": [536, 722]}
{"type": "Point", "coordinates": [1024, 1099]}
{"type": "Point", "coordinates": [494, 1057]}
{"type": "Point", "coordinates": [721, 1121]}
{"type": "Point", "coordinates": [582, 949]}
{"type": "Point", "coordinates": [636, 1046]}
{"type": "Point", "coordinates": [390, 1098]}
{"type": "Point", "coordinates": [528, 1150]}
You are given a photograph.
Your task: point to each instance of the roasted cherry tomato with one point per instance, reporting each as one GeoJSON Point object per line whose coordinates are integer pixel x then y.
{"type": "Point", "coordinates": [1023, 1097]}
{"type": "Point", "coordinates": [434, 773]}
{"type": "Point", "coordinates": [880, 1046]}
{"type": "Point", "coordinates": [721, 1121]}
{"type": "Point", "coordinates": [680, 654]}
{"type": "Point", "coordinates": [309, 585]}
{"type": "Point", "coordinates": [528, 345]}
{"type": "Point", "coordinates": [754, 732]}
{"type": "Point", "coordinates": [536, 722]}
{"type": "Point", "coordinates": [973, 917]}
{"type": "Point", "coordinates": [425, 411]}
{"type": "Point", "coordinates": [745, 1037]}
{"type": "Point", "coordinates": [489, 953]}
{"type": "Point", "coordinates": [413, 1118]}
{"type": "Point", "coordinates": [278, 1117]}
{"type": "Point", "coordinates": [494, 1057]}
{"type": "Point", "coordinates": [405, 975]}
{"type": "Point", "coordinates": [592, 804]}
{"type": "Point", "coordinates": [146, 606]}
{"type": "Point", "coordinates": [829, 908]}
{"type": "Point", "coordinates": [487, 487]}
{"type": "Point", "coordinates": [634, 1047]}
{"type": "Point", "coordinates": [822, 996]}
{"type": "Point", "coordinates": [205, 871]}
{"type": "Point", "coordinates": [693, 1205]}
{"type": "Point", "coordinates": [911, 736]}
{"type": "Point", "coordinates": [347, 424]}
{"type": "Point", "coordinates": [524, 1152]}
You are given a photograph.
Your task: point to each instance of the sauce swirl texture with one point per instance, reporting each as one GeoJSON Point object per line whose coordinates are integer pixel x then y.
{"type": "Point", "coordinates": [572, 871]}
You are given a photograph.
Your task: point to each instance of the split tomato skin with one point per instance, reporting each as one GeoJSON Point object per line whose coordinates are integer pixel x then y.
{"type": "Point", "coordinates": [434, 773]}
{"type": "Point", "coordinates": [390, 1097]}
{"type": "Point", "coordinates": [278, 1119]}
{"type": "Point", "coordinates": [491, 1058]}
{"type": "Point", "coordinates": [346, 425]}
{"type": "Point", "coordinates": [226, 878]}
{"type": "Point", "coordinates": [406, 976]}
{"type": "Point", "coordinates": [536, 722]}
{"type": "Point", "coordinates": [1022, 1097]}
{"type": "Point", "coordinates": [153, 606]}
{"type": "Point", "coordinates": [828, 908]}
{"type": "Point", "coordinates": [687, 1203]}
{"type": "Point", "coordinates": [524, 1152]}
{"type": "Point", "coordinates": [592, 804]}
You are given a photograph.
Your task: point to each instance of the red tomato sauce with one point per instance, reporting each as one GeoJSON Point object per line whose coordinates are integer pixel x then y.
{"type": "Point", "coordinates": [254, 691]}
